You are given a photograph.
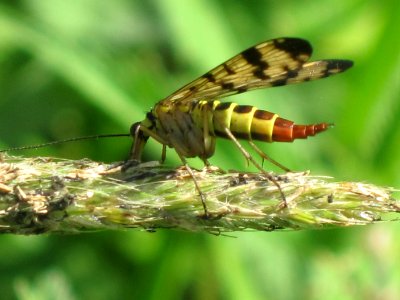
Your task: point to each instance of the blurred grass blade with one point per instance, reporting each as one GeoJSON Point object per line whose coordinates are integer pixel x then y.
{"type": "Point", "coordinates": [82, 71]}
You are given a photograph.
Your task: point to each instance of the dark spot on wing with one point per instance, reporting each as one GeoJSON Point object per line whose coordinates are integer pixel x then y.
{"type": "Point", "coordinates": [296, 47]}
{"type": "Point", "coordinates": [227, 85]}
{"type": "Point", "coordinates": [241, 89]}
{"type": "Point", "coordinates": [279, 82]}
{"type": "Point", "coordinates": [336, 66]}
{"type": "Point", "coordinates": [291, 73]}
{"type": "Point", "coordinates": [339, 64]}
{"type": "Point", "coordinates": [227, 69]}
{"type": "Point", "coordinates": [254, 57]}
{"type": "Point", "coordinates": [325, 73]}
{"type": "Point", "coordinates": [209, 76]}
{"type": "Point", "coordinates": [259, 73]}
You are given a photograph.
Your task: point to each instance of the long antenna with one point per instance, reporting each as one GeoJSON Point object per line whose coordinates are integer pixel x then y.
{"type": "Point", "coordinates": [65, 141]}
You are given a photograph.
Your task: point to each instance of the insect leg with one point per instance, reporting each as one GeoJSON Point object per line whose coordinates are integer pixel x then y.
{"type": "Point", "coordinates": [141, 134]}
{"type": "Point", "coordinates": [139, 130]}
{"type": "Point", "coordinates": [163, 153]}
{"type": "Point", "coordinates": [201, 194]}
{"type": "Point", "coordinates": [257, 165]}
{"type": "Point", "coordinates": [139, 140]}
{"type": "Point", "coordinates": [265, 156]}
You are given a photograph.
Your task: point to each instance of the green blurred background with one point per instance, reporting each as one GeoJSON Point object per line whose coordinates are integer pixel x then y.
{"type": "Point", "coordinates": [82, 67]}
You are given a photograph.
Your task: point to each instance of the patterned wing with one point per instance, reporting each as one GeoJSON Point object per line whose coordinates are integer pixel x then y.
{"type": "Point", "coordinates": [272, 63]}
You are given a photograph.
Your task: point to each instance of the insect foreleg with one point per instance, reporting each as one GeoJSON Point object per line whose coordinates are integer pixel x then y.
{"type": "Point", "coordinates": [163, 153]}
{"type": "Point", "coordinates": [139, 140]}
{"type": "Point", "coordinates": [141, 134]}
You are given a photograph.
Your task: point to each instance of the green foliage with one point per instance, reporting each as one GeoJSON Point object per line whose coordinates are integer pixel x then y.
{"type": "Point", "coordinates": [73, 68]}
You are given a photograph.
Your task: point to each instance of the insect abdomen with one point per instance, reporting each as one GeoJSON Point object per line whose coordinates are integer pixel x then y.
{"type": "Point", "coordinates": [249, 123]}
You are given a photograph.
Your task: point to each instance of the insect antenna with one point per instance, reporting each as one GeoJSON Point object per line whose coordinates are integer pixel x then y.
{"type": "Point", "coordinates": [89, 137]}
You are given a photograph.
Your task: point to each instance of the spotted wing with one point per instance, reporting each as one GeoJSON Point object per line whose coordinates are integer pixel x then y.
{"type": "Point", "coordinates": [272, 63]}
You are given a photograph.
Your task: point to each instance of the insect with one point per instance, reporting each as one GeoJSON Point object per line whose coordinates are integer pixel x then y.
{"type": "Point", "coordinates": [190, 119]}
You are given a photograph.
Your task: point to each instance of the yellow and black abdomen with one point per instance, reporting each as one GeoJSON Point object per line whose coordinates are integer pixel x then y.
{"type": "Point", "coordinates": [249, 123]}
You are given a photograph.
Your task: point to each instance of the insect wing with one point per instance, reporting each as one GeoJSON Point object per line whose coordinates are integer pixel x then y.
{"type": "Point", "coordinates": [273, 63]}
{"type": "Point", "coordinates": [257, 67]}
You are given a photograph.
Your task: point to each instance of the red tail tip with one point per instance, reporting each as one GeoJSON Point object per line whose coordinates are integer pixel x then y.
{"type": "Point", "coordinates": [304, 131]}
{"type": "Point", "coordinates": [317, 128]}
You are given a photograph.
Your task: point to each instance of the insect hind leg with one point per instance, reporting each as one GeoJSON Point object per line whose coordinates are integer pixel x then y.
{"type": "Point", "coordinates": [267, 157]}
{"type": "Point", "coordinates": [255, 163]}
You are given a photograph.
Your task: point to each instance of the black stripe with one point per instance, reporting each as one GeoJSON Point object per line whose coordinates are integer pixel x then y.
{"type": "Point", "coordinates": [223, 106]}
{"type": "Point", "coordinates": [239, 135]}
{"type": "Point", "coordinates": [260, 136]}
{"type": "Point", "coordinates": [263, 115]}
{"type": "Point", "coordinates": [243, 109]}
{"type": "Point", "coordinates": [220, 133]}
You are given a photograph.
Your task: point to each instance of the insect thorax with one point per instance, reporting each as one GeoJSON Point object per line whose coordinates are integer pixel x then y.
{"type": "Point", "coordinates": [184, 127]}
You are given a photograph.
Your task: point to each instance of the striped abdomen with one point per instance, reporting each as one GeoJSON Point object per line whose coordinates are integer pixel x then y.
{"type": "Point", "coordinates": [249, 123]}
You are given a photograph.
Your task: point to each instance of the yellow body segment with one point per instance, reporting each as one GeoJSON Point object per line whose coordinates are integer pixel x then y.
{"type": "Point", "coordinates": [222, 117]}
{"type": "Point", "coordinates": [263, 128]}
{"type": "Point", "coordinates": [241, 121]}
